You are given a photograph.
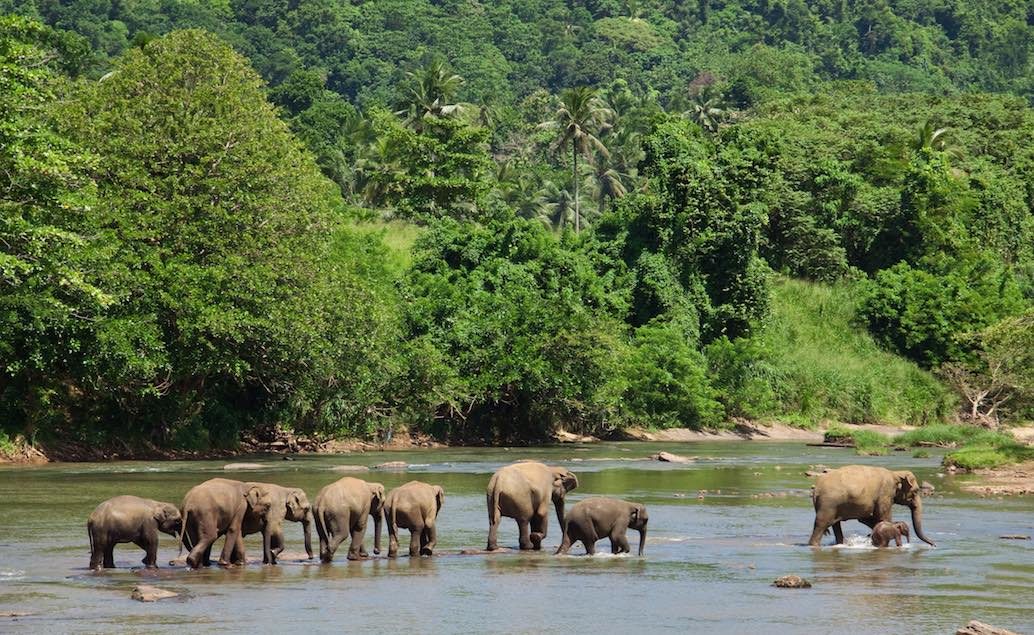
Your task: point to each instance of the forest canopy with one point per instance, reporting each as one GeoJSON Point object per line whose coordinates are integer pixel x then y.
{"type": "Point", "coordinates": [490, 220]}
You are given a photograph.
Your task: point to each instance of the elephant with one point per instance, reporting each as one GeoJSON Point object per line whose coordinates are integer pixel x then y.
{"type": "Point", "coordinates": [216, 508]}
{"type": "Point", "coordinates": [884, 532]}
{"type": "Point", "coordinates": [286, 503]}
{"type": "Point", "coordinates": [522, 491]}
{"type": "Point", "coordinates": [594, 518]}
{"type": "Point", "coordinates": [342, 509]}
{"type": "Point", "coordinates": [130, 519]}
{"type": "Point", "coordinates": [413, 506]}
{"type": "Point", "coordinates": [866, 494]}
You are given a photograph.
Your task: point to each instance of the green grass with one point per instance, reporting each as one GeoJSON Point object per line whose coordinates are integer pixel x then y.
{"type": "Point", "coordinates": [952, 435]}
{"type": "Point", "coordinates": [824, 366]}
{"type": "Point", "coordinates": [398, 236]}
{"type": "Point", "coordinates": [867, 442]}
{"type": "Point", "coordinates": [990, 455]}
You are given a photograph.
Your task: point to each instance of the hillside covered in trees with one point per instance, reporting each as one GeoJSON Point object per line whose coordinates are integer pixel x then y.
{"type": "Point", "coordinates": [489, 220]}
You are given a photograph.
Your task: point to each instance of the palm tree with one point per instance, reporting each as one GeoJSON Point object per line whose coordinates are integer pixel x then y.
{"type": "Point", "coordinates": [580, 117]}
{"type": "Point", "coordinates": [932, 138]}
{"type": "Point", "coordinates": [560, 207]}
{"type": "Point", "coordinates": [705, 110]}
{"type": "Point", "coordinates": [429, 93]}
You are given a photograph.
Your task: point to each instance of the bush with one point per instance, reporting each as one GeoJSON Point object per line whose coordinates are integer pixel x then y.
{"type": "Point", "coordinates": [666, 381]}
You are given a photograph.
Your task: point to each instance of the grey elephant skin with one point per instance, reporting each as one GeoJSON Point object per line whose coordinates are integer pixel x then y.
{"type": "Point", "coordinates": [885, 533]}
{"type": "Point", "coordinates": [595, 518]}
{"type": "Point", "coordinates": [341, 510]}
{"type": "Point", "coordinates": [130, 519]}
{"type": "Point", "coordinates": [286, 503]}
{"type": "Point", "coordinates": [523, 491]}
{"type": "Point", "coordinates": [413, 506]}
{"type": "Point", "coordinates": [217, 508]}
{"type": "Point", "coordinates": [866, 494]}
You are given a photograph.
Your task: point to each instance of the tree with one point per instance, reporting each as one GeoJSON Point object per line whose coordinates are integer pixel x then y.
{"type": "Point", "coordinates": [228, 297]}
{"type": "Point", "coordinates": [429, 93]}
{"type": "Point", "coordinates": [579, 118]}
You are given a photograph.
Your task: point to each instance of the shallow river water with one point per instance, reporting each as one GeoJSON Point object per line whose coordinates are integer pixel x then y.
{"type": "Point", "coordinates": [710, 558]}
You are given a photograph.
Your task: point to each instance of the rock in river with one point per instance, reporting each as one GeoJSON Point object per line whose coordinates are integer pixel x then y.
{"type": "Point", "coordinates": [668, 457]}
{"type": "Point", "coordinates": [147, 593]}
{"type": "Point", "coordinates": [979, 628]}
{"type": "Point", "coordinates": [392, 465]}
{"type": "Point", "coordinates": [243, 466]}
{"type": "Point", "coordinates": [792, 582]}
{"type": "Point", "coordinates": [350, 468]}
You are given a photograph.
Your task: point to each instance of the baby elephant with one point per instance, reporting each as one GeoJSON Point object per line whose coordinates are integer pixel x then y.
{"type": "Point", "coordinates": [413, 506]}
{"type": "Point", "coordinates": [595, 518]}
{"type": "Point", "coordinates": [885, 531]}
{"type": "Point", "coordinates": [130, 519]}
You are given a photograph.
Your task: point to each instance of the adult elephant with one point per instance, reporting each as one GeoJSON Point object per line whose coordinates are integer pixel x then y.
{"type": "Point", "coordinates": [413, 506]}
{"type": "Point", "coordinates": [866, 494]}
{"type": "Point", "coordinates": [523, 492]}
{"type": "Point", "coordinates": [341, 510]}
{"type": "Point", "coordinates": [130, 519]}
{"type": "Point", "coordinates": [217, 508]}
{"type": "Point", "coordinates": [286, 503]}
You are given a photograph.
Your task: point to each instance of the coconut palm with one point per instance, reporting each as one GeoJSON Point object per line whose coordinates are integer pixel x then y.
{"type": "Point", "coordinates": [932, 138]}
{"type": "Point", "coordinates": [579, 119]}
{"type": "Point", "coordinates": [429, 93]}
{"type": "Point", "coordinates": [705, 110]}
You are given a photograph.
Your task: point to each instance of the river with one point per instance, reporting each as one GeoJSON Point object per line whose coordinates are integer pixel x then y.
{"type": "Point", "coordinates": [710, 558]}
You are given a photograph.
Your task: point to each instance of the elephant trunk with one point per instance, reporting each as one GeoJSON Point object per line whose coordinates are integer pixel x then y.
{"type": "Point", "coordinates": [558, 504]}
{"type": "Point", "coordinates": [377, 531]}
{"type": "Point", "coordinates": [917, 521]}
{"type": "Point", "coordinates": [307, 528]}
{"type": "Point", "coordinates": [642, 539]}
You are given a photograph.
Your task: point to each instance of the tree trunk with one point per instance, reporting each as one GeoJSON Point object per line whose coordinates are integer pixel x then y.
{"type": "Point", "coordinates": [574, 183]}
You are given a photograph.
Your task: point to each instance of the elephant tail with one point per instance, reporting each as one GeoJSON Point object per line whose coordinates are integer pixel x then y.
{"type": "Point", "coordinates": [89, 531]}
{"type": "Point", "coordinates": [184, 536]}
{"type": "Point", "coordinates": [319, 516]}
{"type": "Point", "coordinates": [493, 506]}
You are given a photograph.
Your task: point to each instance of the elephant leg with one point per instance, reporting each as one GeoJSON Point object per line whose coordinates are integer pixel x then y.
{"type": "Point", "coordinates": [838, 533]}
{"type": "Point", "coordinates": [429, 539]}
{"type": "Point", "coordinates": [109, 555]}
{"type": "Point", "coordinates": [337, 532]}
{"type": "Point", "coordinates": [393, 539]}
{"type": "Point", "coordinates": [355, 548]}
{"type": "Point", "coordinates": [618, 543]}
{"type": "Point", "coordinates": [150, 546]}
{"type": "Point", "coordinates": [590, 546]}
{"type": "Point", "coordinates": [201, 553]}
{"type": "Point", "coordinates": [821, 525]}
{"type": "Point", "coordinates": [277, 543]}
{"type": "Point", "coordinates": [524, 527]}
{"type": "Point", "coordinates": [415, 535]}
{"type": "Point", "coordinates": [493, 535]}
{"type": "Point", "coordinates": [565, 544]}
{"type": "Point", "coordinates": [97, 553]}
{"type": "Point", "coordinates": [539, 523]}
{"type": "Point", "coordinates": [232, 551]}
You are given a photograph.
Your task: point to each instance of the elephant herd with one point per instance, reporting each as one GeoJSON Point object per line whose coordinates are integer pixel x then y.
{"type": "Point", "coordinates": [523, 491]}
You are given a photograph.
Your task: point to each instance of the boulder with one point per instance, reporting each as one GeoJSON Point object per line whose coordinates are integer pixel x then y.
{"type": "Point", "coordinates": [792, 582]}
{"type": "Point", "coordinates": [668, 457]}
{"type": "Point", "coordinates": [350, 468]}
{"type": "Point", "coordinates": [243, 466]}
{"type": "Point", "coordinates": [979, 628]}
{"type": "Point", "coordinates": [392, 465]}
{"type": "Point", "coordinates": [147, 593]}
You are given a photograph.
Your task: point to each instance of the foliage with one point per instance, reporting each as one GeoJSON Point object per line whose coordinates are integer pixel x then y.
{"type": "Point", "coordinates": [520, 322]}
{"type": "Point", "coordinates": [865, 442]}
{"type": "Point", "coordinates": [990, 456]}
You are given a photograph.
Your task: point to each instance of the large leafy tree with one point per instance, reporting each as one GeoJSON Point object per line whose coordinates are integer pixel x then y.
{"type": "Point", "coordinates": [219, 223]}
{"type": "Point", "coordinates": [577, 123]}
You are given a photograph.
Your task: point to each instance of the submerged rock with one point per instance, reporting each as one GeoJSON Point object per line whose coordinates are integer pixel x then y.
{"type": "Point", "coordinates": [792, 582]}
{"type": "Point", "coordinates": [243, 466]}
{"type": "Point", "coordinates": [147, 593]}
{"type": "Point", "coordinates": [979, 628]}
{"type": "Point", "coordinates": [1015, 537]}
{"type": "Point", "coordinates": [668, 457]}
{"type": "Point", "coordinates": [392, 465]}
{"type": "Point", "coordinates": [350, 468]}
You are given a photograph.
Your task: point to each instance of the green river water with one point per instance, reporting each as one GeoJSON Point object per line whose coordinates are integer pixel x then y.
{"type": "Point", "coordinates": [710, 558]}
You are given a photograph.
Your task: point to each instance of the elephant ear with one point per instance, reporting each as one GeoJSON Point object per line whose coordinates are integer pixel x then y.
{"type": "Point", "coordinates": [294, 504]}
{"type": "Point", "coordinates": [256, 499]}
{"type": "Point", "coordinates": [907, 487]}
{"type": "Point", "coordinates": [563, 481]}
{"type": "Point", "coordinates": [439, 496]}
